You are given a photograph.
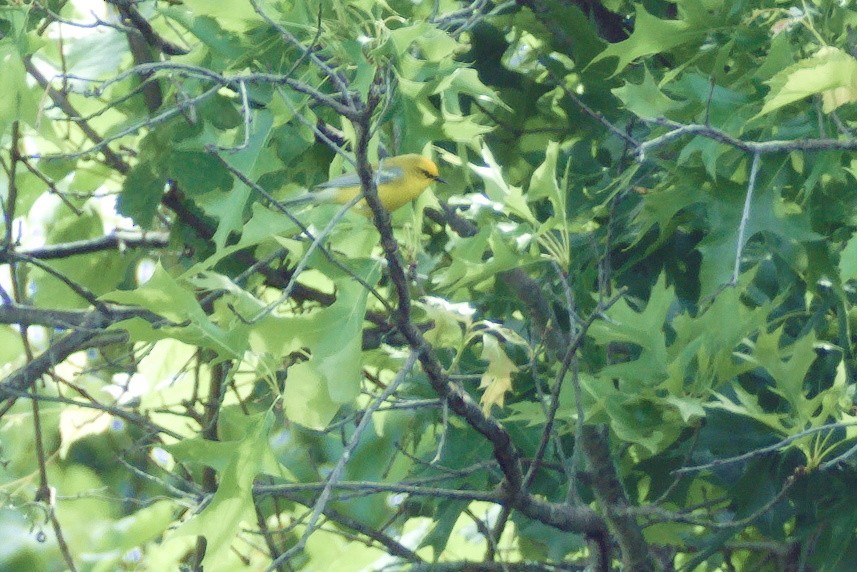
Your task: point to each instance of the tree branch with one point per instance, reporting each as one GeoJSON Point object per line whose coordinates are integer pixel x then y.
{"type": "Point", "coordinates": [116, 241]}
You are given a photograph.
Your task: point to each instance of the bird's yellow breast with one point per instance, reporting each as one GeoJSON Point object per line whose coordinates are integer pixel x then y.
{"type": "Point", "coordinates": [404, 178]}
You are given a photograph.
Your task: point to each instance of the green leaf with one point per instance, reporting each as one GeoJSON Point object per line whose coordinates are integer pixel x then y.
{"type": "Point", "coordinates": [264, 225]}
{"type": "Point", "coordinates": [645, 100]}
{"type": "Point", "coordinates": [306, 399]}
{"type": "Point", "coordinates": [789, 373]}
{"type": "Point", "coordinates": [333, 336]}
{"type": "Point", "coordinates": [836, 544]}
{"type": "Point", "coordinates": [208, 30]}
{"type": "Point", "coordinates": [16, 99]}
{"type": "Point", "coordinates": [478, 259]}
{"type": "Point", "coordinates": [11, 346]}
{"type": "Point", "coordinates": [435, 44]}
{"type": "Point", "coordinates": [724, 211]}
{"type": "Point", "coordinates": [543, 183]}
{"type": "Point", "coordinates": [229, 207]}
{"type": "Point", "coordinates": [650, 36]}
{"type": "Point", "coordinates": [848, 260]}
{"type": "Point", "coordinates": [747, 405]}
{"type": "Point", "coordinates": [99, 272]}
{"type": "Point", "coordinates": [163, 296]}
{"type": "Point", "coordinates": [444, 521]}
{"type": "Point", "coordinates": [448, 321]}
{"type": "Point", "coordinates": [542, 542]}
{"type": "Point", "coordinates": [463, 81]}
{"type": "Point", "coordinates": [643, 328]}
{"type": "Point", "coordinates": [197, 172]}
{"type": "Point", "coordinates": [232, 503]}
{"type": "Point", "coordinates": [498, 190]}
{"type": "Point", "coordinates": [141, 194]}
{"type": "Point", "coordinates": [689, 409]}
{"type": "Point", "coordinates": [702, 353]}
{"type": "Point", "coordinates": [636, 419]}
{"type": "Point", "coordinates": [830, 72]}
{"type": "Point", "coordinates": [778, 58]}
{"type": "Point", "coordinates": [232, 17]}
{"type": "Point", "coordinates": [144, 525]}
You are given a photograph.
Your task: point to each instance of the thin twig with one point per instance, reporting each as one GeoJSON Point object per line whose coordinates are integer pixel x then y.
{"type": "Point", "coordinates": [662, 515]}
{"type": "Point", "coordinates": [309, 52]}
{"type": "Point", "coordinates": [78, 289]}
{"type": "Point", "coordinates": [302, 263]}
{"type": "Point", "coordinates": [103, 143]}
{"type": "Point", "coordinates": [745, 217]}
{"type": "Point", "coordinates": [597, 115]}
{"type": "Point", "coordinates": [60, 99]}
{"type": "Point", "coordinates": [763, 450]}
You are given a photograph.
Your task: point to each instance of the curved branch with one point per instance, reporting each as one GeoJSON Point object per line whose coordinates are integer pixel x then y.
{"type": "Point", "coordinates": [757, 147]}
{"type": "Point", "coordinates": [562, 516]}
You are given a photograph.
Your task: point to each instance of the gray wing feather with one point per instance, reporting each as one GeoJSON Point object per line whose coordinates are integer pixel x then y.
{"type": "Point", "coordinates": [351, 179]}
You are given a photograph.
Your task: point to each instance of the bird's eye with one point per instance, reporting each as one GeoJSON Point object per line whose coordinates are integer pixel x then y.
{"type": "Point", "coordinates": [426, 174]}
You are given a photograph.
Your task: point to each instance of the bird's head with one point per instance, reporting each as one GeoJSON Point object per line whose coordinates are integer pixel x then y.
{"type": "Point", "coordinates": [425, 169]}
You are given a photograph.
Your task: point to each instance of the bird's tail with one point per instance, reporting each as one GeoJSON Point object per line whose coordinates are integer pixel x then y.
{"type": "Point", "coordinates": [298, 201]}
{"type": "Point", "coordinates": [312, 198]}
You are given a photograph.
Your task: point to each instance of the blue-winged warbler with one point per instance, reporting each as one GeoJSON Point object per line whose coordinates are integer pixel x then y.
{"type": "Point", "coordinates": [400, 180]}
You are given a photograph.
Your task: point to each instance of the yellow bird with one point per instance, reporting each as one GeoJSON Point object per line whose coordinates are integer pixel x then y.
{"type": "Point", "coordinates": [400, 180]}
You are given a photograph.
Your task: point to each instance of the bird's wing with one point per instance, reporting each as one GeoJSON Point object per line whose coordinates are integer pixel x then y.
{"type": "Point", "coordinates": [385, 175]}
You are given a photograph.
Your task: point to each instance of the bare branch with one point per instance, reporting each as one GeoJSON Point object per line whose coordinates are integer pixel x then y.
{"type": "Point", "coordinates": [116, 241]}
{"type": "Point", "coordinates": [564, 517]}
{"type": "Point", "coordinates": [679, 130]}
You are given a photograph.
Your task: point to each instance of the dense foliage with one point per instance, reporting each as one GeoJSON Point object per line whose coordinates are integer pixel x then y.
{"type": "Point", "coordinates": [619, 336]}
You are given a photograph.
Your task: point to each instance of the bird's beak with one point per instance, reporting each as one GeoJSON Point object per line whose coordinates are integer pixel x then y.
{"type": "Point", "coordinates": [439, 180]}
